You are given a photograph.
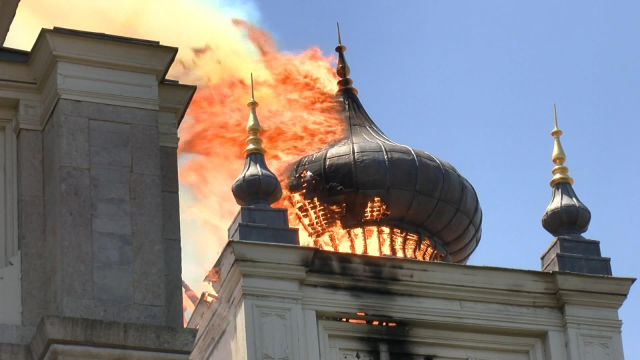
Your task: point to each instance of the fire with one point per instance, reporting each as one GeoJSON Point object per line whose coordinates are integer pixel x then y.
{"type": "Point", "coordinates": [297, 112]}
{"type": "Point", "coordinates": [218, 51]}
{"type": "Point", "coordinates": [375, 210]}
{"type": "Point", "coordinates": [324, 230]}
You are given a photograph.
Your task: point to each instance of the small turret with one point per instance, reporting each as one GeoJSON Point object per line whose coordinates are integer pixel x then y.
{"type": "Point", "coordinates": [256, 185]}
{"type": "Point", "coordinates": [255, 190]}
{"type": "Point", "coordinates": [567, 218]}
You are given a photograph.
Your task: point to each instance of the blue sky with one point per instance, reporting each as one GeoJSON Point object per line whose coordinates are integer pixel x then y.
{"type": "Point", "coordinates": [474, 82]}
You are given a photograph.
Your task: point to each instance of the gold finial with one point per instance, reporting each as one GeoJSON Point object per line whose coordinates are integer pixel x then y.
{"type": "Point", "coordinates": [343, 69]}
{"type": "Point", "coordinates": [254, 141]}
{"type": "Point", "coordinates": [560, 172]}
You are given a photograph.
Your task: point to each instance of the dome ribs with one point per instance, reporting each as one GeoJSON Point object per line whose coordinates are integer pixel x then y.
{"type": "Point", "coordinates": [396, 201]}
{"type": "Point", "coordinates": [459, 222]}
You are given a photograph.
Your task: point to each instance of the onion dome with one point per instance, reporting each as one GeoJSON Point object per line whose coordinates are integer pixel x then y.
{"type": "Point", "coordinates": [256, 186]}
{"type": "Point", "coordinates": [367, 194]}
{"type": "Point", "coordinates": [566, 215]}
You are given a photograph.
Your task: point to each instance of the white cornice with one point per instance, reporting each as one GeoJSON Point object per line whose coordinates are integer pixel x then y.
{"type": "Point", "coordinates": [458, 308]}
{"type": "Point", "coordinates": [316, 269]}
{"type": "Point", "coordinates": [104, 52]}
{"type": "Point", "coordinates": [66, 64]}
{"type": "Point", "coordinates": [174, 100]}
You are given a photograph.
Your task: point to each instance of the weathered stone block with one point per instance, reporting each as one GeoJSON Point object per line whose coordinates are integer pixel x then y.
{"type": "Point", "coordinates": [62, 329]}
{"type": "Point", "coordinates": [110, 207]}
{"type": "Point", "coordinates": [173, 281]}
{"type": "Point", "coordinates": [14, 352]}
{"type": "Point", "coordinates": [147, 314]}
{"type": "Point", "coordinates": [109, 139]}
{"type": "Point", "coordinates": [113, 283]}
{"type": "Point", "coordinates": [74, 233]}
{"type": "Point", "coordinates": [112, 335]}
{"type": "Point", "coordinates": [109, 190]}
{"type": "Point", "coordinates": [112, 224]}
{"type": "Point", "coordinates": [148, 267]}
{"type": "Point", "coordinates": [145, 149]}
{"type": "Point", "coordinates": [112, 310]}
{"type": "Point", "coordinates": [173, 258]}
{"type": "Point", "coordinates": [115, 157]}
{"type": "Point", "coordinates": [146, 197]}
{"type": "Point", "coordinates": [111, 174]}
{"type": "Point", "coordinates": [148, 247]}
{"type": "Point", "coordinates": [169, 168]}
{"type": "Point", "coordinates": [79, 308]}
{"type": "Point", "coordinates": [160, 337]}
{"type": "Point", "coordinates": [170, 215]}
{"type": "Point", "coordinates": [109, 126]}
{"type": "Point", "coordinates": [74, 141]}
{"type": "Point", "coordinates": [112, 250]}
{"type": "Point", "coordinates": [110, 148]}
{"type": "Point", "coordinates": [8, 333]}
{"type": "Point", "coordinates": [32, 245]}
{"type": "Point", "coordinates": [174, 301]}
{"type": "Point", "coordinates": [30, 163]}
{"type": "Point", "coordinates": [107, 112]}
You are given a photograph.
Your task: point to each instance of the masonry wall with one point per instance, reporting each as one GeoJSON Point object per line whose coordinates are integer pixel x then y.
{"type": "Point", "coordinates": [99, 217]}
{"type": "Point", "coordinates": [287, 302]}
{"type": "Point", "coordinates": [31, 235]}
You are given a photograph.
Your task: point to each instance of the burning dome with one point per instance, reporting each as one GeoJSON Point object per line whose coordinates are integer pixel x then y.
{"type": "Point", "coordinates": [367, 194]}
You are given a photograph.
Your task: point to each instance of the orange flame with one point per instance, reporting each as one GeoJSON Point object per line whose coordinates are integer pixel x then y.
{"type": "Point", "coordinates": [217, 53]}
{"type": "Point", "coordinates": [298, 114]}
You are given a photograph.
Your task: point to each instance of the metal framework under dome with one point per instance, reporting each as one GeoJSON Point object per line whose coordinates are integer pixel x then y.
{"type": "Point", "coordinates": [368, 194]}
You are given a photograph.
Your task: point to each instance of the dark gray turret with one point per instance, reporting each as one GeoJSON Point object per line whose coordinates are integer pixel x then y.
{"type": "Point", "coordinates": [567, 218]}
{"type": "Point", "coordinates": [255, 190]}
{"type": "Point", "coordinates": [366, 180]}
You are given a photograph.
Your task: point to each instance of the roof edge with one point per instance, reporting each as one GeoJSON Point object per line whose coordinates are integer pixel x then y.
{"type": "Point", "coordinates": [8, 9]}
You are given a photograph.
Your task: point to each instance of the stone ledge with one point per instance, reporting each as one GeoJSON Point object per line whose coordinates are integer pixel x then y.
{"type": "Point", "coordinates": [55, 330]}
{"type": "Point", "coordinates": [14, 352]}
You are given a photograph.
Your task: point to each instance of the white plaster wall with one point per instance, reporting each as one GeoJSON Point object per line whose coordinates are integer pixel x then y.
{"type": "Point", "coordinates": [286, 312]}
{"type": "Point", "coordinates": [278, 329]}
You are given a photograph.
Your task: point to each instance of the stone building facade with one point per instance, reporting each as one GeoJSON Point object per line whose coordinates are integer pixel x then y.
{"type": "Point", "coordinates": [90, 255]}
{"type": "Point", "coordinates": [291, 302]}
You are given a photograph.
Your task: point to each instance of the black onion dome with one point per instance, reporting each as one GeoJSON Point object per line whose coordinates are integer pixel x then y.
{"type": "Point", "coordinates": [421, 193]}
{"type": "Point", "coordinates": [566, 215]}
{"type": "Point", "coordinates": [256, 185]}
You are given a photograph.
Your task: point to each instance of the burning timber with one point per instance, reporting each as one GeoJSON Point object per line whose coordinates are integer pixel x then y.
{"type": "Point", "coordinates": [366, 194]}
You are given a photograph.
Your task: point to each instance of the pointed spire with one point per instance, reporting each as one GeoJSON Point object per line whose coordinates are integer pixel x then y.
{"type": "Point", "coordinates": [567, 218]}
{"type": "Point", "coordinates": [343, 70]}
{"type": "Point", "coordinates": [256, 185]}
{"type": "Point", "coordinates": [254, 129]}
{"type": "Point", "coordinates": [560, 172]}
{"type": "Point", "coordinates": [566, 214]}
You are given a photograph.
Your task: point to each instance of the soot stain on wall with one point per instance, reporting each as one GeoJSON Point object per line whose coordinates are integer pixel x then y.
{"type": "Point", "coordinates": [381, 275]}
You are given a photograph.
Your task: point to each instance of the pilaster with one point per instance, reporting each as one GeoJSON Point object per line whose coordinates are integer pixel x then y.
{"type": "Point", "coordinates": [97, 202]}
{"type": "Point", "coordinates": [590, 315]}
